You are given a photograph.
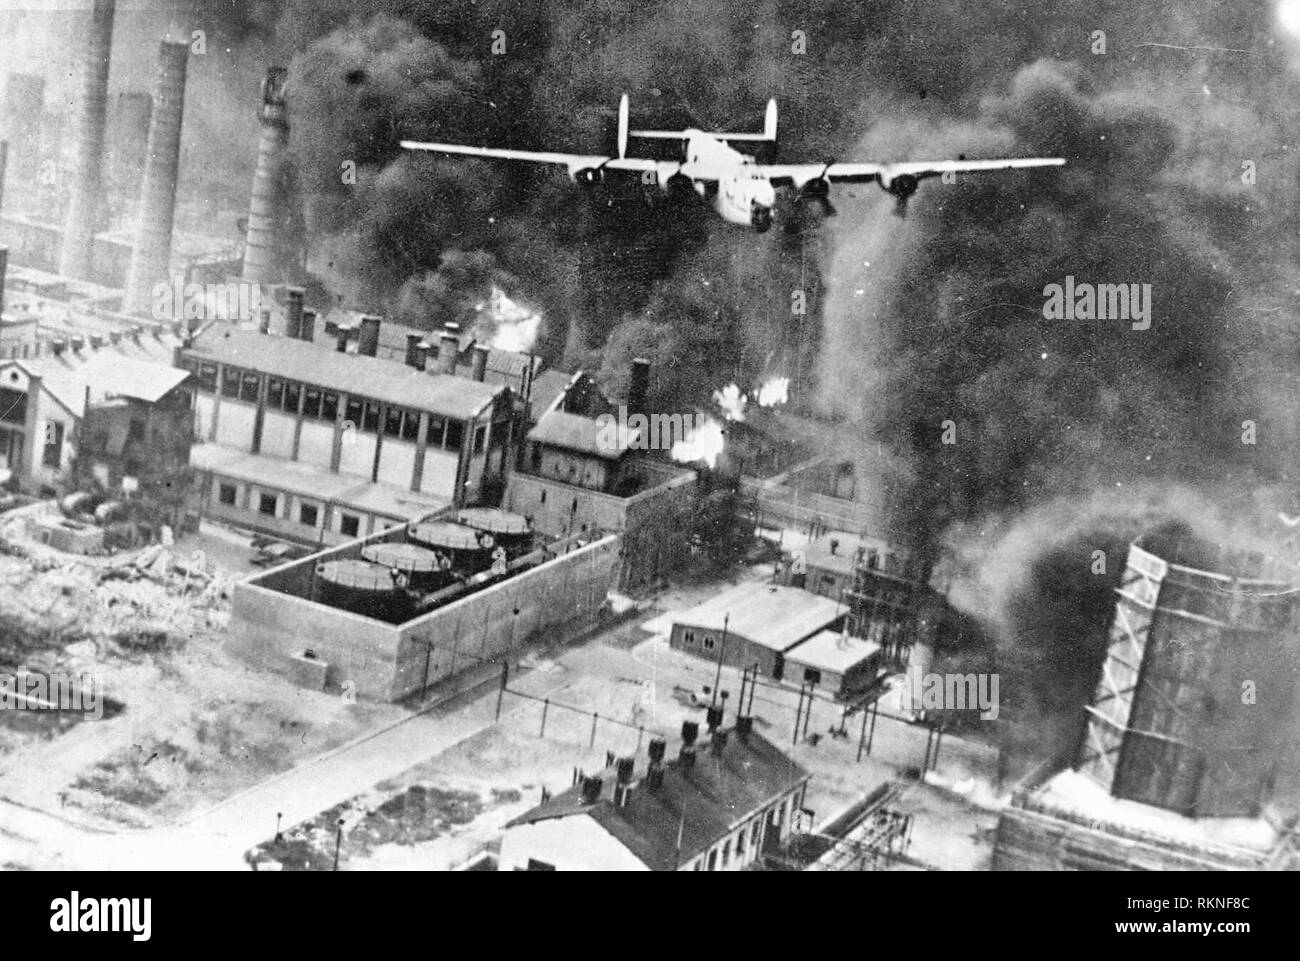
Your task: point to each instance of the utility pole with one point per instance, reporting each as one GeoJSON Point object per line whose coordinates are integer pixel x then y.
{"type": "Point", "coordinates": [338, 843]}
{"type": "Point", "coordinates": [717, 678]}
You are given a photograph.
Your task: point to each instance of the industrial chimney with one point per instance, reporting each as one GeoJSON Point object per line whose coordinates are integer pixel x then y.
{"type": "Point", "coordinates": [262, 249]}
{"type": "Point", "coordinates": [151, 259]}
{"type": "Point", "coordinates": [478, 362]}
{"type": "Point", "coordinates": [293, 312]}
{"type": "Point", "coordinates": [639, 386]}
{"type": "Point", "coordinates": [79, 227]}
{"type": "Point", "coordinates": [24, 106]}
{"type": "Point", "coordinates": [4, 169]}
{"type": "Point", "coordinates": [128, 136]}
{"type": "Point", "coordinates": [4, 275]}
{"type": "Point", "coordinates": [448, 348]}
{"type": "Point", "coordinates": [368, 337]}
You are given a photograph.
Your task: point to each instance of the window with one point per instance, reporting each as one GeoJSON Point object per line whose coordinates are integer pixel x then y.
{"type": "Point", "coordinates": [329, 406]}
{"type": "Point", "coordinates": [207, 378]}
{"type": "Point", "coordinates": [13, 406]}
{"type": "Point", "coordinates": [307, 514]}
{"type": "Point", "coordinates": [393, 422]}
{"type": "Point", "coordinates": [230, 383]}
{"type": "Point", "coordinates": [688, 637]}
{"type": "Point", "coordinates": [249, 384]}
{"type": "Point", "coordinates": [352, 413]}
{"type": "Point", "coordinates": [292, 396]}
{"type": "Point", "coordinates": [433, 435]}
{"type": "Point", "coordinates": [349, 525]}
{"type": "Point", "coordinates": [740, 845]}
{"type": "Point", "coordinates": [726, 853]}
{"type": "Point", "coordinates": [455, 431]}
{"type": "Point", "coordinates": [267, 504]}
{"type": "Point", "coordinates": [713, 860]}
{"type": "Point", "coordinates": [708, 642]}
{"type": "Point", "coordinates": [274, 393]}
{"type": "Point", "coordinates": [411, 425]}
{"type": "Point", "coordinates": [53, 455]}
{"type": "Point", "coordinates": [311, 403]}
{"type": "Point", "coordinates": [480, 434]}
{"type": "Point", "coordinates": [226, 494]}
{"type": "Point", "coordinates": [370, 419]}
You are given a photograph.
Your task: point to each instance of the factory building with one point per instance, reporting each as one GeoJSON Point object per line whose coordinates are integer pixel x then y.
{"type": "Point", "coordinates": [718, 806]}
{"type": "Point", "coordinates": [1180, 744]}
{"type": "Point", "coordinates": [96, 402]}
{"type": "Point", "coordinates": [754, 623]}
{"type": "Point", "coordinates": [569, 480]}
{"type": "Point", "coordinates": [321, 446]}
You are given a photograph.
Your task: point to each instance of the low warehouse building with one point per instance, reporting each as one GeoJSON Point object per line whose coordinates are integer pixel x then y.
{"type": "Point", "coordinates": [754, 624]}
{"type": "Point", "coordinates": [836, 662]}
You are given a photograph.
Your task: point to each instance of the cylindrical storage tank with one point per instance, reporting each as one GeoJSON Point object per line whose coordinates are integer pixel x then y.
{"type": "Point", "coordinates": [513, 531]}
{"type": "Point", "coordinates": [92, 110]}
{"type": "Point", "coordinates": [470, 551]}
{"type": "Point", "coordinates": [362, 588]}
{"type": "Point", "coordinates": [1185, 717]}
{"type": "Point", "coordinates": [424, 570]}
{"type": "Point", "coordinates": [151, 259]}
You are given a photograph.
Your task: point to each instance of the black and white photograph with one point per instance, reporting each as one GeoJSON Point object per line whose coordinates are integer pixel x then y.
{"type": "Point", "coordinates": [650, 435]}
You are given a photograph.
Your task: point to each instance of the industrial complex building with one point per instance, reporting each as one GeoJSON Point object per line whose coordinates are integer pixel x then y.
{"type": "Point", "coordinates": [714, 807]}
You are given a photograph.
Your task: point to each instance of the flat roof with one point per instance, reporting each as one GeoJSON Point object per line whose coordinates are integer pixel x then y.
{"type": "Point", "coordinates": [818, 553]}
{"type": "Point", "coordinates": [389, 381]}
{"type": "Point", "coordinates": [585, 435]}
{"type": "Point", "coordinates": [313, 483]}
{"type": "Point", "coordinates": [771, 615]}
{"type": "Point", "coordinates": [832, 651]}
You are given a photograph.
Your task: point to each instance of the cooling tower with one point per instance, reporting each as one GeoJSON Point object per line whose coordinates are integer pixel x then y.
{"type": "Point", "coordinates": [263, 250]}
{"type": "Point", "coordinates": [1195, 692]}
{"type": "Point", "coordinates": [83, 207]}
{"type": "Point", "coordinates": [151, 258]}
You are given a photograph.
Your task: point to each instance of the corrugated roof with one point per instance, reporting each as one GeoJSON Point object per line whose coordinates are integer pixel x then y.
{"type": "Point", "coordinates": [702, 804]}
{"type": "Point", "coordinates": [106, 375]}
{"type": "Point", "coordinates": [585, 435]}
{"type": "Point", "coordinates": [389, 381]}
{"type": "Point", "coordinates": [773, 616]}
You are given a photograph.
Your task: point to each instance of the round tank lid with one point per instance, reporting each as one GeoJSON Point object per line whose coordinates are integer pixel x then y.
{"type": "Point", "coordinates": [361, 575]}
{"type": "Point", "coordinates": [406, 557]}
{"type": "Point", "coordinates": [495, 520]}
{"type": "Point", "coordinates": [445, 534]}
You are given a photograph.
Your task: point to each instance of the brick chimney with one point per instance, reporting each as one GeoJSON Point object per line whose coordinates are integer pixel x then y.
{"type": "Point", "coordinates": [478, 362]}
{"type": "Point", "coordinates": [293, 312]}
{"type": "Point", "coordinates": [368, 338]}
{"type": "Point", "coordinates": [309, 325]}
{"type": "Point", "coordinates": [448, 349]}
{"type": "Point", "coordinates": [415, 351]}
{"type": "Point", "coordinates": [639, 386]}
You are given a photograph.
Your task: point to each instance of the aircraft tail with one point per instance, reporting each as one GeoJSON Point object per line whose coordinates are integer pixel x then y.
{"type": "Point", "coordinates": [767, 136]}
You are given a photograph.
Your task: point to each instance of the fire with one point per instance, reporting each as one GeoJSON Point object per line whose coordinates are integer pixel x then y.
{"type": "Point", "coordinates": [775, 390]}
{"type": "Point", "coordinates": [704, 443]}
{"type": "Point", "coordinates": [507, 324]}
{"type": "Point", "coordinates": [732, 401]}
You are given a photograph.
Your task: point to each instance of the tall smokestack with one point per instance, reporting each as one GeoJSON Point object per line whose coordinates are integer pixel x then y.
{"type": "Point", "coordinates": [293, 313]}
{"type": "Point", "coordinates": [4, 170]}
{"type": "Point", "coordinates": [639, 386]}
{"type": "Point", "coordinates": [4, 275]}
{"type": "Point", "coordinates": [128, 137]}
{"type": "Point", "coordinates": [79, 227]}
{"type": "Point", "coordinates": [262, 249]}
{"type": "Point", "coordinates": [368, 337]}
{"type": "Point", "coordinates": [151, 259]}
{"type": "Point", "coordinates": [24, 105]}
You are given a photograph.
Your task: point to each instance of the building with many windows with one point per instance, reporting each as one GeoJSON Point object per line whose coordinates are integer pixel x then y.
{"type": "Point", "coordinates": [320, 445]}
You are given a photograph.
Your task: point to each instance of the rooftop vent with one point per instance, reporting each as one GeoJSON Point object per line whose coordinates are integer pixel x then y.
{"type": "Point", "coordinates": [690, 731]}
{"type": "Point", "coordinates": [591, 787]}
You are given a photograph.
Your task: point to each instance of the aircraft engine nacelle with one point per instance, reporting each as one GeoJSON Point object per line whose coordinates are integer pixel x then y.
{"type": "Point", "coordinates": [901, 186]}
{"type": "Point", "coordinates": [819, 188]}
{"type": "Point", "coordinates": [587, 176]}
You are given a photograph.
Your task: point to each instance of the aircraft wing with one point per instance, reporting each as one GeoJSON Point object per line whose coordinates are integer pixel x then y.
{"type": "Point", "coordinates": [570, 160]}
{"type": "Point", "coordinates": [783, 175]}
